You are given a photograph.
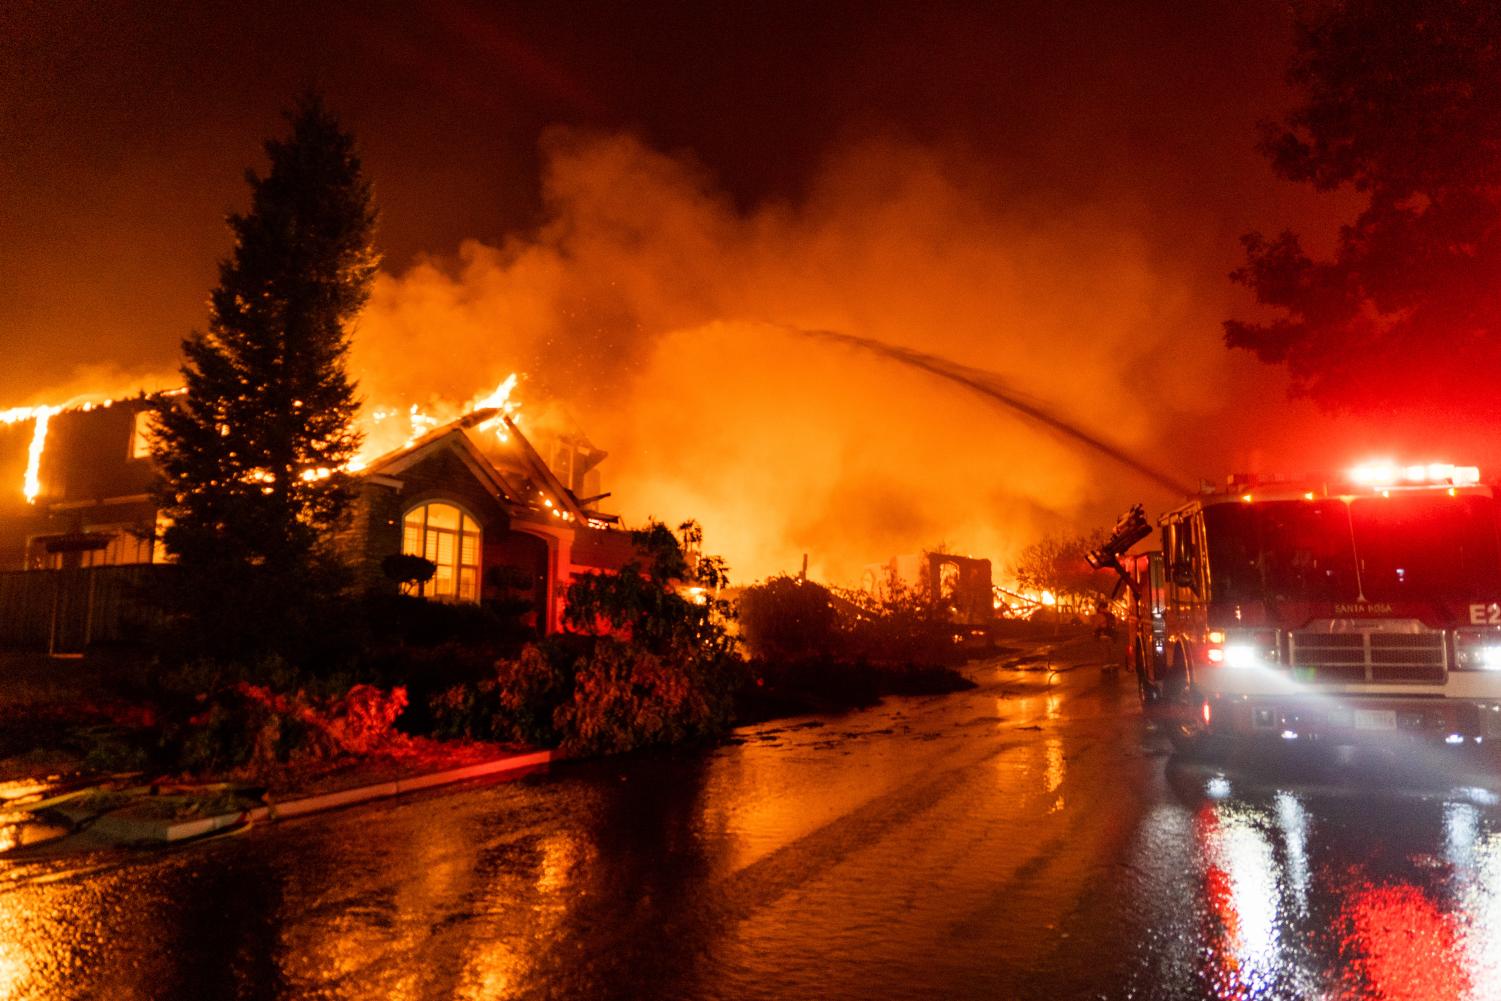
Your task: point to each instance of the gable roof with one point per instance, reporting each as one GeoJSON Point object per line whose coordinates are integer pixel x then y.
{"type": "Point", "coordinates": [511, 487]}
{"type": "Point", "coordinates": [452, 438]}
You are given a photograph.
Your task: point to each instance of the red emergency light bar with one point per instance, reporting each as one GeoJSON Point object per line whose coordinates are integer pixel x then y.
{"type": "Point", "coordinates": [1390, 474]}
{"type": "Point", "coordinates": [1381, 476]}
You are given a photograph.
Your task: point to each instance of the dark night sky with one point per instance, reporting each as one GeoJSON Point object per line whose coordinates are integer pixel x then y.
{"type": "Point", "coordinates": [124, 127]}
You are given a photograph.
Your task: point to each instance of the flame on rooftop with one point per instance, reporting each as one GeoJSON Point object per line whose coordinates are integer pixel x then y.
{"type": "Point", "coordinates": [385, 428]}
{"type": "Point", "coordinates": [391, 428]}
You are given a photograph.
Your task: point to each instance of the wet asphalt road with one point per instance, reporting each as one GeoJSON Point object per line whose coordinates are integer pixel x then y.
{"type": "Point", "coordinates": [1030, 839]}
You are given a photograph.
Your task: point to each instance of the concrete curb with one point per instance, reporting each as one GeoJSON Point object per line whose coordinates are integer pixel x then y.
{"type": "Point", "coordinates": [125, 828]}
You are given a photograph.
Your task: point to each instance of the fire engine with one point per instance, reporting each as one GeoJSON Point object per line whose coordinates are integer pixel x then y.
{"type": "Point", "coordinates": [1328, 609]}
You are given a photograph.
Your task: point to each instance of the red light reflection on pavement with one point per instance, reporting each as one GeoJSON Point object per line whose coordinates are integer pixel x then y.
{"type": "Point", "coordinates": [1406, 948]}
{"type": "Point", "coordinates": [1395, 940]}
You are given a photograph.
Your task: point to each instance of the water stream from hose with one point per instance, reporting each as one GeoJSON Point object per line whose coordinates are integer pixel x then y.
{"type": "Point", "coordinates": [994, 388]}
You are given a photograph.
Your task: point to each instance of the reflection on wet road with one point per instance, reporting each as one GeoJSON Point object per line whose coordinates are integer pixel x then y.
{"type": "Point", "coordinates": [1029, 839]}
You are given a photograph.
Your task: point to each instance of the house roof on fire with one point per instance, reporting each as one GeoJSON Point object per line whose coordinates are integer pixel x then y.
{"type": "Point", "coordinates": [507, 463]}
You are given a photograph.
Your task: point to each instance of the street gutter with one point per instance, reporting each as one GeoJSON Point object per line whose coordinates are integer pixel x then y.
{"type": "Point", "coordinates": [120, 825]}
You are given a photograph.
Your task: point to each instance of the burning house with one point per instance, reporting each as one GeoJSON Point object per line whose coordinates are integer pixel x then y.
{"type": "Point", "coordinates": [496, 516]}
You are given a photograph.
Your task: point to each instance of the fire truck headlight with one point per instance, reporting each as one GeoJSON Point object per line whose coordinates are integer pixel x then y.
{"type": "Point", "coordinates": [1241, 655]}
{"type": "Point", "coordinates": [1246, 648]}
{"type": "Point", "coordinates": [1477, 650]}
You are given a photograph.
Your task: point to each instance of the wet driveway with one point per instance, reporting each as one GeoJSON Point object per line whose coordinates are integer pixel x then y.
{"type": "Point", "coordinates": [1029, 839]}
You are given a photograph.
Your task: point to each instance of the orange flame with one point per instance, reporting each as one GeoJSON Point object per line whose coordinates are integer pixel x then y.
{"type": "Point", "coordinates": [388, 428]}
{"type": "Point", "coordinates": [31, 486]}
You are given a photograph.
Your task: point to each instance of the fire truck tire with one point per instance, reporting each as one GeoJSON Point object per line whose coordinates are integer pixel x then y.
{"type": "Point", "coordinates": [1175, 682]}
{"type": "Point", "coordinates": [1195, 745]}
{"type": "Point", "coordinates": [1148, 692]}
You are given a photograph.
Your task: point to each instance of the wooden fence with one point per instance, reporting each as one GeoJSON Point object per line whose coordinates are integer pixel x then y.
{"type": "Point", "coordinates": [67, 611]}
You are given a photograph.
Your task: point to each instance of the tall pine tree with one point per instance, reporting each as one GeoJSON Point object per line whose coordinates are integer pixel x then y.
{"type": "Point", "coordinates": [253, 453]}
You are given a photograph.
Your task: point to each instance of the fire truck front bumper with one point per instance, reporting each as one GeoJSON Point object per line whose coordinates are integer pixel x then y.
{"type": "Point", "coordinates": [1347, 719]}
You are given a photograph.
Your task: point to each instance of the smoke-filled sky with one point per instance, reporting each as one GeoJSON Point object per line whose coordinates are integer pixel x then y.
{"type": "Point", "coordinates": [637, 205]}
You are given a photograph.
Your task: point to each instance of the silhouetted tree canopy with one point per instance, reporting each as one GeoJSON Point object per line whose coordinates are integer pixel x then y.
{"type": "Point", "coordinates": [1057, 564]}
{"type": "Point", "coordinates": [1401, 101]}
{"type": "Point", "coordinates": [253, 453]}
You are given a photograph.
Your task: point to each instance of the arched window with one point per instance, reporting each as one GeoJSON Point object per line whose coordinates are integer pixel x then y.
{"type": "Point", "coordinates": [451, 539]}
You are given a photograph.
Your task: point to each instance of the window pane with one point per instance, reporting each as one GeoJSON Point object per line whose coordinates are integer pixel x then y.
{"type": "Point", "coordinates": [442, 516]}
{"type": "Point", "coordinates": [451, 540]}
{"type": "Point", "coordinates": [140, 435]}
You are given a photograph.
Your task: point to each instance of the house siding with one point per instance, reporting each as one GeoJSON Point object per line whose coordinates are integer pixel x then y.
{"type": "Point", "coordinates": [87, 478]}
{"type": "Point", "coordinates": [371, 532]}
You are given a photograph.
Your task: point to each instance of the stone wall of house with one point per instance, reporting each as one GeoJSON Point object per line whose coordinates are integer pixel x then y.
{"type": "Point", "coordinates": [370, 534]}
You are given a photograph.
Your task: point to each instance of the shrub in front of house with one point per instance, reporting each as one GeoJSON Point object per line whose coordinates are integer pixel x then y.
{"type": "Point", "coordinates": [592, 695]}
{"type": "Point", "coordinates": [905, 630]}
{"type": "Point", "coordinates": [625, 697]}
{"type": "Point", "coordinates": [641, 663]}
{"type": "Point", "coordinates": [787, 617]}
{"type": "Point", "coordinates": [408, 569]}
{"type": "Point", "coordinates": [406, 621]}
{"type": "Point", "coordinates": [516, 702]}
{"type": "Point", "coordinates": [427, 672]}
{"type": "Point", "coordinates": [363, 719]}
{"type": "Point", "coordinates": [653, 659]}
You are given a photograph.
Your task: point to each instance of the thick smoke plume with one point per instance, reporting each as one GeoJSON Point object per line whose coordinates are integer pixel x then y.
{"type": "Point", "coordinates": [662, 320]}
{"type": "Point", "coordinates": [652, 311]}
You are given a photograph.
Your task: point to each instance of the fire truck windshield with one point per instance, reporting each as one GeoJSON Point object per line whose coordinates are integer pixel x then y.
{"type": "Point", "coordinates": [1408, 547]}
